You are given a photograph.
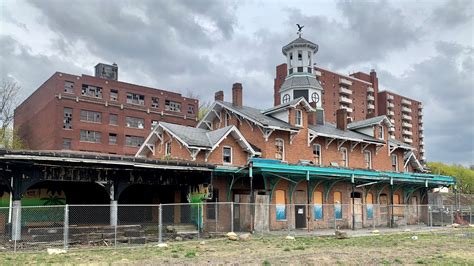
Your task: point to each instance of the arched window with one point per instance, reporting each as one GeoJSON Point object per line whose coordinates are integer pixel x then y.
{"type": "Point", "coordinates": [315, 97]}
{"type": "Point", "coordinates": [286, 98]}
{"type": "Point", "coordinates": [280, 200]}
{"type": "Point", "coordinates": [369, 201]}
{"type": "Point", "coordinates": [337, 205]}
{"type": "Point", "coordinates": [317, 154]}
{"type": "Point", "coordinates": [279, 149]}
{"type": "Point", "coordinates": [318, 205]}
{"type": "Point", "coordinates": [368, 159]}
{"type": "Point", "coordinates": [344, 157]}
{"type": "Point", "coordinates": [299, 118]}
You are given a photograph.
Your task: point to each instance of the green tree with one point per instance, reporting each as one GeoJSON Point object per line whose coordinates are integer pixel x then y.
{"type": "Point", "coordinates": [464, 176]}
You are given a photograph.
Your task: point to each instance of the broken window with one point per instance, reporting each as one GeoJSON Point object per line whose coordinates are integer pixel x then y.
{"type": "Point", "coordinates": [134, 141]}
{"type": "Point", "coordinates": [190, 109]}
{"type": "Point", "coordinates": [154, 123]}
{"type": "Point", "coordinates": [113, 119]}
{"type": "Point", "coordinates": [317, 154]}
{"type": "Point", "coordinates": [155, 102]}
{"type": "Point", "coordinates": [112, 138]}
{"type": "Point", "coordinates": [67, 124]}
{"type": "Point", "coordinates": [91, 116]}
{"type": "Point", "coordinates": [135, 122]}
{"type": "Point", "coordinates": [172, 106]}
{"type": "Point", "coordinates": [91, 136]}
{"type": "Point", "coordinates": [279, 149]}
{"type": "Point", "coordinates": [91, 91]}
{"type": "Point", "coordinates": [134, 98]}
{"type": "Point", "coordinates": [227, 155]}
{"type": "Point", "coordinates": [69, 87]}
{"type": "Point", "coordinates": [114, 95]}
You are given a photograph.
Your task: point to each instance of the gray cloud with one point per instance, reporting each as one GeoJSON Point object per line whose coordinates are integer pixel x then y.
{"type": "Point", "coordinates": [452, 14]}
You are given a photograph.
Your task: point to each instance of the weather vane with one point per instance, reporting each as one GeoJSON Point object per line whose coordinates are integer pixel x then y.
{"type": "Point", "coordinates": [299, 29]}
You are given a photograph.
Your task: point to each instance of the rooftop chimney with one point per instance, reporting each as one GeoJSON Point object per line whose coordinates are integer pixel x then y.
{"type": "Point", "coordinates": [237, 94]}
{"type": "Point", "coordinates": [341, 119]}
{"type": "Point", "coordinates": [219, 96]}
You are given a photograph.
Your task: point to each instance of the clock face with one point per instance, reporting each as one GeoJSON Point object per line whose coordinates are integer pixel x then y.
{"type": "Point", "coordinates": [315, 97]}
{"type": "Point", "coordinates": [286, 98]}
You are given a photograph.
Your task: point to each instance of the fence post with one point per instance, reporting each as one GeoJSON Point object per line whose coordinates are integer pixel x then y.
{"type": "Point", "coordinates": [452, 214]}
{"type": "Point", "coordinates": [442, 218]}
{"type": "Point", "coordinates": [405, 212]}
{"type": "Point", "coordinates": [232, 216]}
{"type": "Point", "coordinates": [199, 220]}
{"type": "Point", "coordinates": [215, 213]}
{"type": "Point", "coordinates": [430, 210]}
{"type": "Point", "coordinates": [160, 225]}
{"type": "Point", "coordinates": [66, 226]}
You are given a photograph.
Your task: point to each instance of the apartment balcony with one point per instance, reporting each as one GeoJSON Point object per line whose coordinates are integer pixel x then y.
{"type": "Point", "coordinates": [407, 140]}
{"type": "Point", "coordinates": [406, 109]}
{"type": "Point", "coordinates": [422, 150]}
{"type": "Point", "coordinates": [408, 125]}
{"type": "Point", "coordinates": [423, 158]}
{"type": "Point", "coordinates": [343, 99]}
{"type": "Point", "coordinates": [420, 128]}
{"type": "Point", "coordinates": [390, 105]}
{"type": "Point", "coordinates": [370, 89]}
{"type": "Point", "coordinates": [345, 81]}
{"type": "Point", "coordinates": [343, 90]}
{"type": "Point", "coordinates": [420, 106]}
{"type": "Point", "coordinates": [370, 106]}
{"type": "Point", "coordinates": [422, 136]}
{"type": "Point", "coordinates": [407, 102]}
{"type": "Point", "coordinates": [392, 136]}
{"type": "Point", "coordinates": [420, 113]}
{"type": "Point", "coordinates": [406, 117]}
{"type": "Point", "coordinates": [389, 97]}
{"type": "Point", "coordinates": [370, 98]}
{"type": "Point", "coordinates": [391, 129]}
{"type": "Point", "coordinates": [407, 133]}
{"type": "Point", "coordinates": [348, 109]}
{"type": "Point", "coordinates": [390, 113]}
{"type": "Point", "coordinates": [392, 121]}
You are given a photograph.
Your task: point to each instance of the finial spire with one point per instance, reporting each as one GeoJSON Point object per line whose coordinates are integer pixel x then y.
{"type": "Point", "coordinates": [299, 30]}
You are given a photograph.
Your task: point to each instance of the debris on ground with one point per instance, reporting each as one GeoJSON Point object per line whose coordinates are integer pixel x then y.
{"type": "Point", "coordinates": [414, 237]}
{"type": "Point", "coordinates": [232, 236]}
{"type": "Point", "coordinates": [245, 237]}
{"type": "Point", "coordinates": [341, 234]}
{"type": "Point", "coordinates": [202, 243]}
{"type": "Point", "coordinates": [375, 231]}
{"type": "Point", "coordinates": [54, 251]}
{"type": "Point", "coordinates": [290, 238]}
{"type": "Point", "coordinates": [178, 238]}
{"type": "Point", "coordinates": [162, 245]}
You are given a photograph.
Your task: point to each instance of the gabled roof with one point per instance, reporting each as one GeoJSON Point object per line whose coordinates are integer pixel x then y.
{"type": "Point", "coordinates": [370, 122]}
{"type": "Point", "coordinates": [300, 81]}
{"type": "Point", "coordinates": [195, 138]}
{"type": "Point", "coordinates": [330, 130]}
{"type": "Point", "coordinates": [289, 104]}
{"type": "Point", "coordinates": [253, 114]}
{"type": "Point", "coordinates": [399, 144]}
{"type": "Point", "coordinates": [409, 157]}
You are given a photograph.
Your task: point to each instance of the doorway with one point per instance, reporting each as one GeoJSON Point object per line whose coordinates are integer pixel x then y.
{"type": "Point", "coordinates": [300, 209]}
{"type": "Point", "coordinates": [357, 199]}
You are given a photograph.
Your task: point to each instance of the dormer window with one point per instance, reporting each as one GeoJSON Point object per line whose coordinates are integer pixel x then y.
{"type": "Point", "coordinates": [300, 55]}
{"type": "Point", "coordinates": [286, 98]}
{"type": "Point", "coordinates": [299, 118]}
{"type": "Point", "coordinates": [381, 133]}
{"type": "Point", "coordinates": [291, 56]}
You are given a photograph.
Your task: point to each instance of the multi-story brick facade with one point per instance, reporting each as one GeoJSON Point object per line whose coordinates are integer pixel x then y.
{"type": "Point", "coordinates": [407, 117]}
{"type": "Point", "coordinates": [87, 113]}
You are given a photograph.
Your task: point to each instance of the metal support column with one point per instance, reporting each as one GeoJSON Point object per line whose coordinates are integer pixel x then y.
{"type": "Point", "coordinates": [232, 216]}
{"type": "Point", "coordinates": [353, 202]}
{"type": "Point", "coordinates": [391, 203]}
{"type": "Point", "coordinates": [252, 199]}
{"type": "Point", "coordinates": [160, 224]}
{"type": "Point", "coordinates": [308, 202]}
{"type": "Point", "coordinates": [66, 227]}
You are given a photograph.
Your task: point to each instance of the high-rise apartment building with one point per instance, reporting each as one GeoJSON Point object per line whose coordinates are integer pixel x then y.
{"type": "Point", "coordinates": [97, 113]}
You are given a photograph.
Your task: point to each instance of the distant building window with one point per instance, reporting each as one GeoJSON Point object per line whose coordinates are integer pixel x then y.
{"type": "Point", "coordinates": [381, 133]}
{"type": "Point", "coordinates": [317, 154]}
{"type": "Point", "coordinates": [291, 56]}
{"type": "Point", "coordinates": [114, 95]}
{"type": "Point", "coordinates": [309, 58]}
{"type": "Point", "coordinates": [299, 118]}
{"type": "Point", "coordinates": [300, 55]}
{"type": "Point", "coordinates": [279, 149]}
{"type": "Point", "coordinates": [368, 159]}
{"type": "Point", "coordinates": [112, 138]}
{"type": "Point", "coordinates": [394, 163]}
{"type": "Point", "coordinates": [113, 119]}
{"type": "Point", "coordinates": [168, 148]}
{"type": "Point", "coordinates": [67, 122]}
{"type": "Point", "coordinates": [300, 69]}
{"type": "Point", "coordinates": [134, 98]}
{"type": "Point", "coordinates": [154, 123]}
{"type": "Point", "coordinates": [155, 102]}
{"type": "Point", "coordinates": [69, 87]}
{"type": "Point", "coordinates": [286, 98]}
{"type": "Point", "coordinates": [310, 70]}
{"type": "Point", "coordinates": [227, 155]}
{"type": "Point", "coordinates": [91, 91]}
{"type": "Point", "coordinates": [135, 122]}
{"type": "Point", "coordinates": [290, 71]}
{"type": "Point", "coordinates": [190, 109]}
{"type": "Point", "coordinates": [67, 144]}
{"type": "Point", "coordinates": [91, 136]}
{"type": "Point", "coordinates": [134, 141]}
{"type": "Point", "coordinates": [344, 157]}
{"type": "Point", "coordinates": [91, 116]}
{"type": "Point", "coordinates": [172, 106]}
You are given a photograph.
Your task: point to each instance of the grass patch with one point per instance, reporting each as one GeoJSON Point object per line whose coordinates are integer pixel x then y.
{"type": "Point", "coordinates": [266, 263]}
{"type": "Point", "coordinates": [299, 248]}
{"type": "Point", "coordinates": [190, 254]}
{"type": "Point", "coordinates": [287, 249]}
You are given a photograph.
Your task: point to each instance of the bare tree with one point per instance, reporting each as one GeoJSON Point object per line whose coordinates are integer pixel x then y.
{"type": "Point", "coordinates": [203, 104]}
{"type": "Point", "coordinates": [9, 91]}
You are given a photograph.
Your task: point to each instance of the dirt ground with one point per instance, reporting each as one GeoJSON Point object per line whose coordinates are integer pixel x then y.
{"type": "Point", "coordinates": [446, 247]}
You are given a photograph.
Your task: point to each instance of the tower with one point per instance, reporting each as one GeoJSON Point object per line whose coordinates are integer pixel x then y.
{"type": "Point", "coordinates": [301, 80]}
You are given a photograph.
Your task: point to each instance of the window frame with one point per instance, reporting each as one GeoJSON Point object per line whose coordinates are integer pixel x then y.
{"type": "Point", "coordinates": [223, 155]}
{"type": "Point", "coordinates": [320, 156]}
{"type": "Point", "coordinates": [116, 120]}
{"type": "Point", "coordinates": [137, 120]}
{"type": "Point", "coordinates": [134, 138]}
{"type": "Point", "coordinates": [345, 156]}
{"type": "Point", "coordinates": [299, 116]}
{"type": "Point", "coordinates": [85, 116]}
{"type": "Point", "coordinates": [286, 98]}
{"type": "Point", "coordinates": [112, 135]}
{"type": "Point", "coordinates": [396, 162]}
{"type": "Point", "coordinates": [88, 134]}
{"type": "Point", "coordinates": [370, 159]}
{"type": "Point", "coordinates": [114, 92]}
{"type": "Point", "coordinates": [282, 219]}
{"type": "Point", "coordinates": [381, 132]}
{"type": "Point", "coordinates": [168, 148]}
{"type": "Point", "coordinates": [282, 148]}
{"type": "Point", "coordinates": [69, 87]}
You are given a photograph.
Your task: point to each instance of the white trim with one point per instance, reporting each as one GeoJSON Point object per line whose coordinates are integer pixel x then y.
{"type": "Point", "coordinates": [343, 150]}
{"type": "Point", "coordinates": [340, 143]}
{"type": "Point", "coordinates": [329, 142]}
{"type": "Point", "coordinates": [320, 153]}
{"type": "Point", "coordinates": [298, 111]}
{"type": "Point", "coordinates": [231, 154]}
{"type": "Point", "coordinates": [283, 152]}
{"type": "Point", "coordinates": [370, 159]}
{"type": "Point", "coordinates": [363, 147]}
{"type": "Point", "coordinates": [354, 145]}
{"type": "Point", "coordinates": [311, 137]}
{"type": "Point", "coordinates": [396, 162]}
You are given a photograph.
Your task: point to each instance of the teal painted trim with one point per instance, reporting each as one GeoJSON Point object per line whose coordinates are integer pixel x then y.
{"type": "Point", "coordinates": [409, 192]}
{"type": "Point", "coordinates": [328, 186]}
{"type": "Point", "coordinates": [313, 185]}
{"type": "Point", "coordinates": [231, 184]}
{"type": "Point", "coordinates": [379, 192]}
{"type": "Point", "coordinates": [273, 182]}
{"type": "Point", "coordinates": [292, 189]}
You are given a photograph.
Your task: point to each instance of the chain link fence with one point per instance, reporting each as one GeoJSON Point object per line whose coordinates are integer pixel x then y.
{"type": "Point", "coordinates": [78, 226]}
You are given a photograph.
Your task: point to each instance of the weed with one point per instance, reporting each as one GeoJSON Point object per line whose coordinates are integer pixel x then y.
{"type": "Point", "coordinates": [287, 249]}
{"type": "Point", "coordinates": [397, 260]}
{"type": "Point", "coordinates": [190, 254]}
{"type": "Point", "coordinates": [420, 261]}
{"type": "Point", "coordinates": [299, 248]}
{"type": "Point", "coordinates": [266, 263]}
{"type": "Point", "coordinates": [175, 256]}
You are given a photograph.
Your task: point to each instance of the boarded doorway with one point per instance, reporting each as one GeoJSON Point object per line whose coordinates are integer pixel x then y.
{"type": "Point", "coordinates": [357, 209]}
{"type": "Point", "coordinates": [241, 212]}
{"type": "Point", "coordinates": [262, 212]}
{"type": "Point", "coordinates": [300, 209]}
{"type": "Point", "coordinates": [383, 205]}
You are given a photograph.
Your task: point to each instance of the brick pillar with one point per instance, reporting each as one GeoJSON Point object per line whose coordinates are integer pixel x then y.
{"type": "Point", "coordinates": [219, 96]}
{"type": "Point", "coordinates": [312, 119]}
{"type": "Point", "coordinates": [341, 119]}
{"type": "Point", "coordinates": [237, 94]}
{"type": "Point", "coordinates": [375, 84]}
{"type": "Point", "coordinates": [281, 71]}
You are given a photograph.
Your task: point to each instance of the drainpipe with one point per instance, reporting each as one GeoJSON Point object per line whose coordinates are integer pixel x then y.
{"type": "Point", "coordinates": [353, 207]}
{"type": "Point", "coordinates": [252, 200]}
{"type": "Point", "coordinates": [308, 216]}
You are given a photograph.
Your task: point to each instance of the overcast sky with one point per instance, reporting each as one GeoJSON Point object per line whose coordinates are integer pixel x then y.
{"type": "Point", "coordinates": [421, 49]}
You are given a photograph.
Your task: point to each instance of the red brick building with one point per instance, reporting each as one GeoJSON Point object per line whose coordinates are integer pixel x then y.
{"type": "Point", "coordinates": [97, 113]}
{"type": "Point", "coordinates": [406, 115]}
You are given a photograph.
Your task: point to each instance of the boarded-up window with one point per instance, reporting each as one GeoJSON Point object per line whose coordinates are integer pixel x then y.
{"type": "Point", "coordinates": [318, 205]}
{"type": "Point", "coordinates": [280, 205]}
{"type": "Point", "coordinates": [396, 199]}
{"type": "Point", "coordinates": [337, 205]}
{"type": "Point", "coordinates": [370, 207]}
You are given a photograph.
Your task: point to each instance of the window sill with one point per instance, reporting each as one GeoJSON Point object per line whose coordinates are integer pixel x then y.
{"type": "Point", "coordinates": [85, 141]}
{"type": "Point", "coordinates": [91, 122]}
